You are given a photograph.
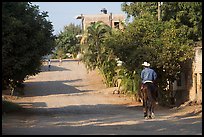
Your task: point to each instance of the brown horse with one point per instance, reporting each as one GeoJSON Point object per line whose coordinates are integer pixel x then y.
{"type": "Point", "coordinates": [149, 95]}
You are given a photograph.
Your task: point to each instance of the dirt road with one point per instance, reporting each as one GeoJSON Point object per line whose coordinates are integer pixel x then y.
{"type": "Point", "coordinates": [69, 101]}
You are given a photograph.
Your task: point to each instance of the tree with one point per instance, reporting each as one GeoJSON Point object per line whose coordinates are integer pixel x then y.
{"type": "Point", "coordinates": [67, 42]}
{"type": "Point", "coordinates": [164, 44]}
{"type": "Point", "coordinates": [93, 47]}
{"type": "Point", "coordinates": [26, 37]}
{"type": "Point", "coordinates": [184, 13]}
{"type": "Point", "coordinates": [137, 9]}
{"type": "Point", "coordinates": [96, 51]}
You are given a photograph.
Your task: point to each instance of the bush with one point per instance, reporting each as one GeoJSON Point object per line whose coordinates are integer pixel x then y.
{"type": "Point", "coordinates": [8, 106]}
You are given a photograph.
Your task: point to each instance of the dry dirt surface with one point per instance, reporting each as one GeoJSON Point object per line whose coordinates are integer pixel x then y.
{"type": "Point", "coordinates": [67, 100]}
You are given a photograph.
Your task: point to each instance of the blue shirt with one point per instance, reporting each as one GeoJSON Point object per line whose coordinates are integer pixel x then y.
{"type": "Point", "coordinates": [148, 74]}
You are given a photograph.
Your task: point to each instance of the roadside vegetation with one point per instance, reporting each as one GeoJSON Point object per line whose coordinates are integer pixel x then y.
{"type": "Point", "coordinates": [9, 107]}
{"type": "Point", "coordinates": [67, 42]}
{"type": "Point", "coordinates": [167, 44]}
{"type": "Point", "coordinates": [26, 38]}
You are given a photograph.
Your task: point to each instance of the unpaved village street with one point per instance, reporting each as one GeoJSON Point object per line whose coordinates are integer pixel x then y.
{"type": "Point", "coordinates": [67, 100]}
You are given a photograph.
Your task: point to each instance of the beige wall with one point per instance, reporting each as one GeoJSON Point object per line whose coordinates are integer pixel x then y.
{"type": "Point", "coordinates": [103, 17]}
{"type": "Point", "coordinates": [196, 89]}
{"type": "Point", "coordinates": [191, 81]}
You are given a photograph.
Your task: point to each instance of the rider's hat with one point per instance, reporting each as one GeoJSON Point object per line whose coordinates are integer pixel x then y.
{"type": "Point", "coordinates": [146, 64]}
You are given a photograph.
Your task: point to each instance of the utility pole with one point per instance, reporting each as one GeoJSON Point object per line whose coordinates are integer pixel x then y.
{"type": "Point", "coordinates": [159, 11]}
{"type": "Point", "coordinates": [82, 23]}
{"type": "Point", "coordinates": [111, 19]}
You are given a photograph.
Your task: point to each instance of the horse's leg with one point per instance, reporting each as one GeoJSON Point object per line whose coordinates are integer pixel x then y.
{"type": "Point", "coordinates": [150, 104]}
{"type": "Point", "coordinates": [145, 108]}
{"type": "Point", "coordinates": [151, 113]}
{"type": "Point", "coordinates": [144, 103]}
{"type": "Point", "coordinates": [149, 108]}
{"type": "Point", "coordinates": [153, 107]}
{"type": "Point", "coordinates": [154, 100]}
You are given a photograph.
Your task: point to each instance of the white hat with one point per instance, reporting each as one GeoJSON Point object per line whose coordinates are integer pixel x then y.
{"type": "Point", "coordinates": [146, 64]}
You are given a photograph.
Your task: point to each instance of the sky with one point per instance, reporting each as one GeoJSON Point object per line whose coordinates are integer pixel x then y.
{"type": "Point", "coordinates": [64, 13]}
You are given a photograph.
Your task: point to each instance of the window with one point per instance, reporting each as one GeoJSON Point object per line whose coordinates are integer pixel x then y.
{"type": "Point", "coordinates": [116, 25]}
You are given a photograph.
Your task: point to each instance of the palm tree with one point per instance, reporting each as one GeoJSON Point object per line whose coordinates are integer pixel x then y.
{"type": "Point", "coordinates": [92, 42]}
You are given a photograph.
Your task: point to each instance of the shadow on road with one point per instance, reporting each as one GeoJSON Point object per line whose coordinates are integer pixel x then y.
{"type": "Point", "coordinates": [45, 88]}
{"type": "Point", "coordinates": [53, 68]}
{"type": "Point", "coordinates": [32, 104]}
{"type": "Point", "coordinates": [64, 60]}
{"type": "Point", "coordinates": [104, 119]}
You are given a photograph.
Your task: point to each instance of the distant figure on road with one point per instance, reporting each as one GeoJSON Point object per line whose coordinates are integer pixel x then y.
{"type": "Point", "coordinates": [60, 61]}
{"type": "Point", "coordinates": [49, 64]}
{"type": "Point", "coordinates": [79, 57]}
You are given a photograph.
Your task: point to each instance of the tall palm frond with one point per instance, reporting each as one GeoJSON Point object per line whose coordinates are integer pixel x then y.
{"type": "Point", "coordinates": [95, 32]}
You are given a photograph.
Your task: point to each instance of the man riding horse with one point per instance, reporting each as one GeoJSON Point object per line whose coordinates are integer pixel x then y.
{"type": "Point", "coordinates": [148, 90]}
{"type": "Point", "coordinates": [147, 74]}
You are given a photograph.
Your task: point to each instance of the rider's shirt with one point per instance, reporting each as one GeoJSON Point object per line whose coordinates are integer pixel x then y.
{"type": "Point", "coordinates": [148, 75]}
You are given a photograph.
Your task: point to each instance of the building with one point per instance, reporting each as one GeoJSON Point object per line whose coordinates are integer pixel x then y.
{"type": "Point", "coordinates": [189, 86]}
{"type": "Point", "coordinates": [113, 20]}
{"type": "Point", "coordinates": [195, 91]}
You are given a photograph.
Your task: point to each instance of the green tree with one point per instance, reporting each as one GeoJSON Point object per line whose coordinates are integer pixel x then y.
{"type": "Point", "coordinates": [26, 37]}
{"type": "Point", "coordinates": [67, 42]}
{"type": "Point", "coordinates": [163, 44]}
{"type": "Point", "coordinates": [137, 9]}
{"type": "Point", "coordinates": [184, 13]}
{"type": "Point", "coordinates": [96, 52]}
{"type": "Point", "coordinates": [94, 38]}
{"type": "Point", "coordinates": [136, 44]}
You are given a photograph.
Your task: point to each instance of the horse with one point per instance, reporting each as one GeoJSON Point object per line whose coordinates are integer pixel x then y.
{"type": "Point", "coordinates": [149, 97]}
